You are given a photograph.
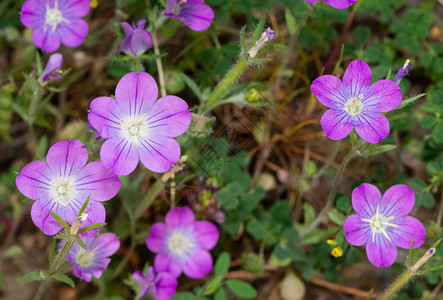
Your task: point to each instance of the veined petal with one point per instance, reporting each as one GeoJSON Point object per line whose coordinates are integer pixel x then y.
{"type": "Point", "coordinates": [381, 252]}
{"type": "Point", "coordinates": [357, 231]}
{"type": "Point", "coordinates": [108, 244]}
{"type": "Point", "coordinates": [31, 13]}
{"type": "Point", "coordinates": [45, 39]}
{"type": "Point", "coordinates": [166, 287]}
{"type": "Point", "coordinates": [73, 33]}
{"type": "Point", "coordinates": [140, 42]}
{"type": "Point", "coordinates": [42, 219]}
{"type": "Point", "coordinates": [144, 284]}
{"type": "Point", "coordinates": [397, 200]}
{"type": "Point", "coordinates": [199, 265]}
{"type": "Point", "coordinates": [198, 17]}
{"type": "Point", "coordinates": [372, 127]}
{"type": "Point", "coordinates": [156, 240]}
{"type": "Point", "coordinates": [336, 124]}
{"type": "Point", "coordinates": [66, 157]}
{"type": "Point", "coordinates": [96, 214]}
{"type": "Point", "coordinates": [382, 96]}
{"type": "Point", "coordinates": [33, 180]}
{"type": "Point", "coordinates": [74, 8]}
{"type": "Point", "coordinates": [328, 91]}
{"type": "Point", "coordinates": [164, 263]}
{"type": "Point", "coordinates": [340, 4]}
{"type": "Point", "coordinates": [410, 229]}
{"type": "Point", "coordinates": [158, 153]}
{"type": "Point", "coordinates": [206, 233]}
{"type": "Point", "coordinates": [365, 200]}
{"type": "Point", "coordinates": [357, 76]}
{"type": "Point", "coordinates": [104, 117]}
{"type": "Point", "coordinates": [180, 217]}
{"type": "Point", "coordinates": [119, 155]}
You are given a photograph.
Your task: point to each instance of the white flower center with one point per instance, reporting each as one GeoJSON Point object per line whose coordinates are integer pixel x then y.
{"type": "Point", "coordinates": [354, 106]}
{"type": "Point", "coordinates": [85, 258]}
{"type": "Point", "coordinates": [179, 244]}
{"type": "Point", "coordinates": [54, 16]}
{"type": "Point", "coordinates": [62, 192]}
{"type": "Point", "coordinates": [134, 129]}
{"type": "Point", "coordinates": [380, 223]}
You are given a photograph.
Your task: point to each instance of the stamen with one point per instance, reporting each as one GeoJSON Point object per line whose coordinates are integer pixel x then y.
{"type": "Point", "coordinates": [379, 224]}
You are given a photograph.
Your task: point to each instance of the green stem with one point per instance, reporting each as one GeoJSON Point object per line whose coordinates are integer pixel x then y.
{"type": "Point", "coordinates": [55, 266]}
{"type": "Point", "coordinates": [396, 285]}
{"type": "Point", "coordinates": [159, 64]}
{"type": "Point", "coordinates": [440, 212]}
{"type": "Point", "coordinates": [226, 83]}
{"type": "Point", "coordinates": [137, 65]}
{"type": "Point", "coordinates": [147, 200]}
{"type": "Point", "coordinates": [128, 254]}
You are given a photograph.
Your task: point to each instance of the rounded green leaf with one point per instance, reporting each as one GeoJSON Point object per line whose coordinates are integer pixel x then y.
{"type": "Point", "coordinates": [241, 289]}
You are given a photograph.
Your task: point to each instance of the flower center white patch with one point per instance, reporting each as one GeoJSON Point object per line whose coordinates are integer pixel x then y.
{"type": "Point", "coordinates": [354, 106]}
{"type": "Point", "coordinates": [62, 192]}
{"type": "Point", "coordinates": [85, 258]}
{"type": "Point", "coordinates": [179, 243]}
{"type": "Point", "coordinates": [53, 16]}
{"type": "Point", "coordinates": [134, 129]}
{"type": "Point", "coordinates": [379, 224]}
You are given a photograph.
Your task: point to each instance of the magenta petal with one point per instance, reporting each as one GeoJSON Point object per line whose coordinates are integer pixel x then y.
{"type": "Point", "coordinates": [166, 287]}
{"type": "Point", "coordinates": [383, 95]}
{"type": "Point", "coordinates": [73, 34]}
{"type": "Point", "coordinates": [141, 24]}
{"type": "Point", "coordinates": [158, 153]}
{"type": "Point", "coordinates": [164, 263]}
{"type": "Point", "coordinates": [340, 4]}
{"type": "Point", "coordinates": [336, 124]}
{"type": "Point", "coordinates": [42, 219]}
{"type": "Point", "coordinates": [108, 244]}
{"type": "Point", "coordinates": [30, 11]}
{"type": "Point", "coordinates": [372, 127]}
{"type": "Point", "coordinates": [179, 217]}
{"type": "Point", "coordinates": [140, 42]}
{"type": "Point", "coordinates": [397, 200]}
{"type": "Point", "coordinates": [327, 89]}
{"type": "Point", "coordinates": [198, 17]}
{"type": "Point", "coordinates": [45, 40]}
{"type": "Point", "coordinates": [206, 233]}
{"type": "Point", "coordinates": [140, 90]}
{"type": "Point", "coordinates": [140, 279]}
{"type": "Point", "coordinates": [410, 229]}
{"type": "Point", "coordinates": [102, 183]}
{"type": "Point", "coordinates": [356, 230]}
{"type": "Point", "coordinates": [381, 252]}
{"type": "Point", "coordinates": [120, 156]}
{"type": "Point", "coordinates": [156, 240]}
{"type": "Point", "coordinates": [78, 273]}
{"type": "Point", "coordinates": [75, 9]}
{"type": "Point", "coordinates": [127, 28]}
{"type": "Point", "coordinates": [55, 62]}
{"type": "Point", "coordinates": [102, 117]}
{"type": "Point", "coordinates": [66, 157]}
{"type": "Point", "coordinates": [365, 200]}
{"type": "Point", "coordinates": [125, 46]}
{"type": "Point", "coordinates": [96, 214]}
{"type": "Point", "coordinates": [199, 265]}
{"type": "Point", "coordinates": [32, 181]}
{"type": "Point", "coordinates": [357, 75]}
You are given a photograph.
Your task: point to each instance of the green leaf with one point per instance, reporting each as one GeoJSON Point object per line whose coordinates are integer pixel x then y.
{"type": "Point", "coordinates": [343, 204]}
{"type": "Point", "coordinates": [39, 64]}
{"type": "Point", "coordinates": [52, 251]}
{"type": "Point", "coordinates": [437, 133]}
{"type": "Point", "coordinates": [92, 226]}
{"type": "Point", "coordinates": [433, 168]}
{"type": "Point", "coordinates": [241, 289]}
{"type": "Point", "coordinates": [309, 213]}
{"type": "Point", "coordinates": [428, 200]}
{"type": "Point", "coordinates": [60, 220]}
{"type": "Point", "coordinates": [374, 149]}
{"type": "Point", "coordinates": [362, 34]}
{"type": "Point", "coordinates": [258, 31]}
{"type": "Point", "coordinates": [428, 122]}
{"type": "Point", "coordinates": [184, 296]}
{"type": "Point", "coordinates": [64, 279]}
{"type": "Point", "coordinates": [257, 229]}
{"type": "Point", "coordinates": [80, 242]}
{"type": "Point", "coordinates": [31, 276]}
{"type": "Point", "coordinates": [82, 210]}
{"type": "Point", "coordinates": [337, 217]}
{"type": "Point", "coordinates": [222, 265]}
{"type": "Point", "coordinates": [220, 295]}
{"type": "Point", "coordinates": [409, 101]}
{"type": "Point", "coordinates": [417, 184]}
{"type": "Point", "coordinates": [290, 22]}
{"type": "Point", "coordinates": [193, 86]}
{"type": "Point", "coordinates": [242, 39]}
{"type": "Point", "coordinates": [212, 286]}
{"type": "Point", "coordinates": [410, 259]}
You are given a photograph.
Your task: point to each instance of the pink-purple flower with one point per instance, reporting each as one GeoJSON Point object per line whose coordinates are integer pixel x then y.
{"type": "Point", "coordinates": [382, 223]}
{"type": "Point", "coordinates": [51, 70]}
{"type": "Point", "coordinates": [193, 13]}
{"type": "Point", "coordinates": [355, 103]}
{"type": "Point", "coordinates": [93, 260]}
{"type": "Point", "coordinates": [137, 127]}
{"type": "Point", "coordinates": [63, 183]}
{"type": "Point", "coordinates": [340, 4]}
{"type": "Point", "coordinates": [161, 286]}
{"type": "Point", "coordinates": [182, 244]}
{"type": "Point", "coordinates": [55, 22]}
{"type": "Point", "coordinates": [137, 39]}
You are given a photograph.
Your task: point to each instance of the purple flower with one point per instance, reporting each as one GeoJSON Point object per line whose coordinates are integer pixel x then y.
{"type": "Point", "coordinates": [63, 183]}
{"type": "Point", "coordinates": [51, 70]}
{"type": "Point", "coordinates": [95, 259]}
{"type": "Point", "coordinates": [355, 103]}
{"type": "Point", "coordinates": [193, 13]}
{"type": "Point", "coordinates": [161, 287]}
{"type": "Point", "coordinates": [336, 3]}
{"type": "Point", "coordinates": [182, 244]}
{"type": "Point", "coordinates": [403, 72]}
{"type": "Point", "coordinates": [137, 127]}
{"type": "Point", "coordinates": [56, 21]}
{"type": "Point", "coordinates": [382, 223]}
{"type": "Point", "coordinates": [137, 40]}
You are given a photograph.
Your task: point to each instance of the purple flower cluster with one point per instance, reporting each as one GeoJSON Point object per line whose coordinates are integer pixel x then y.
{"type": "Point", "coordinates": [162, 286]}
{"type": "Point", "coordinates": [382, 223]}
{"type": "Point", "coordinates": [137, 40]}
{"type": "Point", "coordinates": [340, 4]}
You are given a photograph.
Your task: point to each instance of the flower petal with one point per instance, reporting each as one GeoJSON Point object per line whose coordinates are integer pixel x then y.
{"type": "Point", "coordinates": [73, 33]}
{"type": "Point", "coordinates": [199, 265]}
{"type": "Point", "coordinates": [372, 127]}
{"type": "Point", "coordinates": [381, 252]}
{"type": "Point", "coordinates": [96, 214]}
{"type": "Point", "coordinates": [103, 117]}
{"type": "Point", "coordinates": [46, 40]}
{"type": "Point", "coordinates": [55, 61]}
{"type": "Point", "coordinates": [166, 287]}
{"type": "Point", "coordinates": [42, 219]}
{"type": "Point", "coordinates": [67, 157]}
{"type": "Point", "coordinates": [33, 181]}
{"type": "Point", "coordinates": [31, 13]}
{"type": "Point", "coordinates": [79, 274]}
{"type": "Point", "coordinates": [169, 116]}
{"type": "Point", "coordinates": [382, 96]}
{"type": "Point", "coordinates": [356, 230]}
{"type": "Point", "coordinates": [144, 284]}
{"type": "Point", "coordinates": [180, 217]}
{"type": "Point", "coordinates": [365, 200]}
{"type": "Point", "coordinates": [74, 9]}
{"type": "Point", "coordinates": [158, 153]}
{"type": "Point", "coordinates": [340, 4]}
{"type": "Point", "coordinates": [100, 183]}
{"type": "Point", "coordinates": [107, 243]}
{"type": "Point", "coordinates": [164, 263]}
{"type": "Point", "coordinates": [138, 91]}
{"type": "Point", "coordinates": [156, 240]}
{"type": "Point", "coordinates": [336, 124]}
{"type": "Point", "coordinates": [207, 234]}
{"type": "Point", "coordinates": [198, 17]}
{"type": "Point", "coordinates": [410, 229]}
{"type": "Point", "coordinates": [140, 42]}
{"type": "Point", "coordinates": [397, 200]}
{"type": "Point", "coordinates": [328, 91]}
{"type": "Point", "coordinates": [119, 155]}
{"type": "Point", "coordinates": [357, 76]}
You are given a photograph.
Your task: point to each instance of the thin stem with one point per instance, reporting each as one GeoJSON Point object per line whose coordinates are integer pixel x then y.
{"type": "Point", "coordinates": [440, 212]}
{"type": "Point", "coordinates": [55, 266]}
{"type": "Point", "coordinates": [396, 285]}
{"type": "Point", "coordinates": [331, 195]}
{"type": "Point", "coordinates": [147, 200]}
{"type": "Point", "coordinates": [159, 64]}
{"type": "Point", "coordinates": [128, 254]}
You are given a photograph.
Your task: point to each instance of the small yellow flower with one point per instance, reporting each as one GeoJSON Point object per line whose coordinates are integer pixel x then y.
{"type": "Point", "coordinates": [94, 3]}
{"type": "Point", "coordinates": [337, 251]}
{"type": "Point", "coordinates": [332, 242]}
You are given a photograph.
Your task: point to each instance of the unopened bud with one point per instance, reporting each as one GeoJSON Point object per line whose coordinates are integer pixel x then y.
{"type": "Point", "coordinates": [403, 71]}
{"type": "Point", "coordinates": [266, 36]}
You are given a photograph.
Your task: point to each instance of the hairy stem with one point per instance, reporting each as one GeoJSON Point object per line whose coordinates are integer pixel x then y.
{"type": "Point", "coordinates": [396, 285]}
